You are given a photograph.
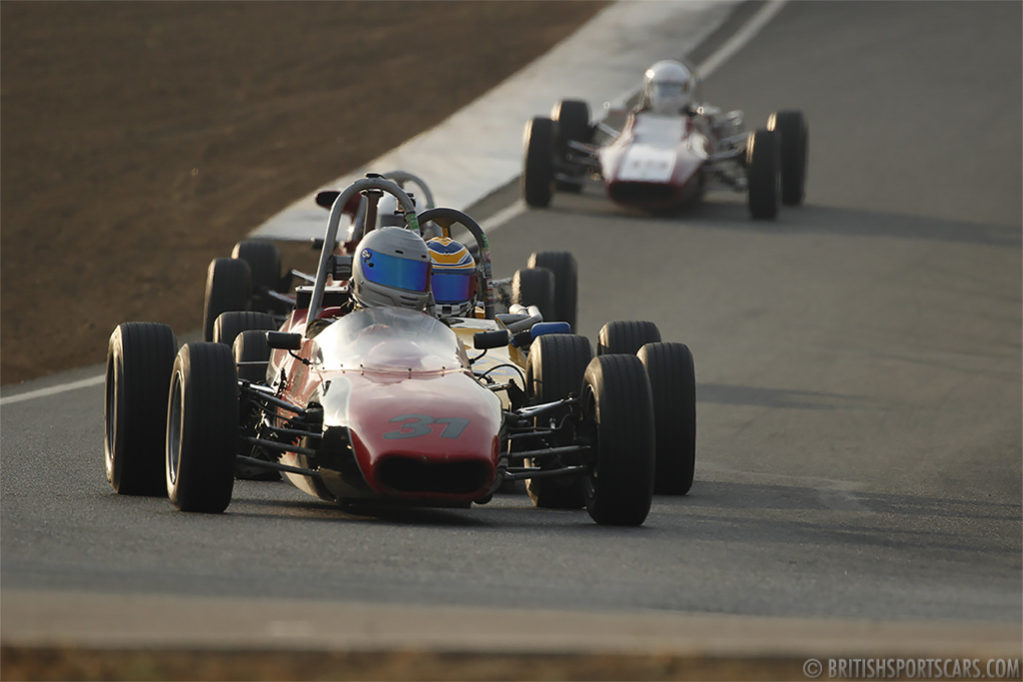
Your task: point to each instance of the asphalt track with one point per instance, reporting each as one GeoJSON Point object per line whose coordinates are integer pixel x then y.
{"type": "Point", "coordinates": [859, 411]}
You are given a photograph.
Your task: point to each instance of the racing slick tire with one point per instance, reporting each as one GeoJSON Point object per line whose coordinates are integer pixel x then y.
{"type": "Point", "coordinates": [566, 282]}
{"type": "Point", "coordinates": [250, 347]}
{"type": "Point", "coordinates": [794, 147]}
{"type": "Point", "coordinates": [264, 259]}
{"type": "Point", "coordinates": [669, 366]}
{"type": "Point", "coordinates": [557, 363]}
{"type": "Point", "coordinates": [572, 117]}
{"type": "Point", "coordinates": [618, 420]}
{"type": "Point", "coordinates": [538, 170]}
{"type": "Point", "coordinates": [228, 287]}
{"type": "Point", "coordinates": [140, 357]}
{"type": "Point", "coordinates": [535, 286]}
{"type": "Point", "coordinates": [762, 174]}
{"type": "Point", "coordinates": [202, 428]}
{"type": "Point", "coordinates": [626, 337]}
{"type": "Point", "coordinates": [229, 325]}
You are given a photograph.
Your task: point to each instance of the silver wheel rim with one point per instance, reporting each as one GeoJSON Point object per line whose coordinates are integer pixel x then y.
{"type": "Point", "coordinates": [174, 425]}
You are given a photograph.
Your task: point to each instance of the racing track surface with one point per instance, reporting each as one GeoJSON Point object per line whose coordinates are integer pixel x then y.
{"type": "Point", "coordinates": [859, 408]}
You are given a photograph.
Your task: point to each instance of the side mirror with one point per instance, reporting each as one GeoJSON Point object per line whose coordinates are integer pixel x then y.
{"type": "Point", "coordinates": [494, 339]}
{"type": "Point", "coordinates": [326, 197]}
{"type": "Point", "coordinates": [284, 340]}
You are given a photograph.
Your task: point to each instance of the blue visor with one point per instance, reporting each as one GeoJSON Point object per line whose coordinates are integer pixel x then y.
{"type": "Point", "coordinates": [393, 271]}
{"type": "Point", "coordinates": [452, 287]}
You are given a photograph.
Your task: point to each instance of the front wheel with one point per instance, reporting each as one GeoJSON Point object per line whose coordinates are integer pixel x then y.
{"type": "Point", "coordinates": [229, 325]}
{"type": "Point", "coordinates": [618, 421]}
{"type": "Point", "coordinates": [794, 148]}
{"type": "Point", "coordinates": [626, 336]}
{"type": "Point", "coordinates": [566, 282]}
{"type": "Point", "coordinates": [762, 174]}
{"type": "Point", "coordinates": [538, 170]}
{"type": "Point", "coordinates": [535, 286]}
{"type": "Point", "coordinates": [228, 287]}
{"type": "Point", "coordinates": [202, 428]}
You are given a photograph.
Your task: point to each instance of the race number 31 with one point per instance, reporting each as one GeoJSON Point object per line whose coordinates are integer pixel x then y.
{"type": "Point", "coordinates": [416, 425]}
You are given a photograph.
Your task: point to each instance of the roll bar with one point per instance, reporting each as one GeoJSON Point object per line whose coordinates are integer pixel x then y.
{"type": "Point", "coordinates": [330, 238]}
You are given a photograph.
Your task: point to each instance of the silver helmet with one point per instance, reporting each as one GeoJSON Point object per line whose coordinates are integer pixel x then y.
{"type": "Point", "coordinates": [668, 87]}
{"type": "Point", "coordinates": [391, 266]}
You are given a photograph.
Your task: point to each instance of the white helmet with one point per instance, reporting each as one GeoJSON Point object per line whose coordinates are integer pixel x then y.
{"type": "Point", "coordinates": [391, 267]}
{"type": "Point", "coordinates": [668, 87]}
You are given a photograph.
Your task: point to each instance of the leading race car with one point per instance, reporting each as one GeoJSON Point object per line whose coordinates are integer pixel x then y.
{"type": "Point", "coordinates": [670, 151]}
{"type": "Point", "coordinates": [385, 404]}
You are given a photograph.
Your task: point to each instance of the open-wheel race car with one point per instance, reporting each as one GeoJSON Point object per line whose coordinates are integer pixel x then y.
{"type": "Point", "coordinates": [667, 156]}
{"type": "Point", "coordinates": [390, 405]}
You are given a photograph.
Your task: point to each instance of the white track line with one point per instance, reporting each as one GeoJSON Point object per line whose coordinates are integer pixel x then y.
{"type": "Point", "coordinates": [53, 390]}
{"type": "Point", "coordinates": [506, 215]}
{"type": "Point", "coordinates": [705, 68]}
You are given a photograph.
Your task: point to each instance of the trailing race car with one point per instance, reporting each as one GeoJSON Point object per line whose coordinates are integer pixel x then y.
{"type": "Point", "coordinates": [669, 152]}
{"type": "Point", "coordinates": [385, 403]}
{"type": "Point", "coordinates": [251, 278]}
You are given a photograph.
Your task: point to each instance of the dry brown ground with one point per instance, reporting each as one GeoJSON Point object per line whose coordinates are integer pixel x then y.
{"type": "Point", "coordinates": [141, 139]}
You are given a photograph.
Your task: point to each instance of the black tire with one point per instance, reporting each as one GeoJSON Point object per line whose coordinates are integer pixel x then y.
{"type": "Point", "coordinates": [264, 259]}
{"type": "Point", "coordinates": [202, 428]}
{"type": "Point", "coordinates": [229, 325]}
{"type": "Point", "coordinates": [140, 357]}
{"type": "Point", "coordinates": [535, 286]}
{"type": "Point", "coordinates": [557, 363]}
{"type": "Point", "coordinates": [566, 282]}
{"type": "Point", "coordinates": [228, 287]}
{"type": "Point", "coordinates": [794, 144]}
{"type": "Point", "coordinates": [762, 174]}
{"type": "Point", "coordinates": [626, 337]}
{"type": "Point", "coordinates": [538, 170]}
{"type": "Point", "coordinates": [250, 346]}
{"type": "Point", "coordinates": [669, 366]}
{"type": "Point", "coordinates": [572, 123]}
{"type": "Point", "coordinates": [619, 421]}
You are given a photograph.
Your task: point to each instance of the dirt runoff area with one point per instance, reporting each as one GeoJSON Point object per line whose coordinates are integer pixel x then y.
{"type": "Point", "coordinates": [142, 139]}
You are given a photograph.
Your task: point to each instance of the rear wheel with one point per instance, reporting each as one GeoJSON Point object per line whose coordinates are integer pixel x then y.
{"type": "Point", "coordinates": [556, 367]}
{"type": "Point", "coordinates": [140, 357]}
{"type": "Point", "coordinates": [762, 174]}
{"type": "Point", "coordinates": [228, 287]}
{"type": "Point", "coordinates": [535, 286]}
{"type": "Point", "coordinates": [566, 288]}
{"type": "Point", "coordinates": [794, 146]}
{"type": "Point", "coordinates": [264, 259]}
{"type": "Point", "coordinates": [618, 422]}
{"type": "Point", "coordinates": [229, 325]}
{"type": "Point", "coordinates": [669, 367]}
{"type": "Point", "coordinates": [202, 428]}
{"type": "Point", "coordinates": [626, 337]}
{"type": "Point", "coordinates": [538, 173]}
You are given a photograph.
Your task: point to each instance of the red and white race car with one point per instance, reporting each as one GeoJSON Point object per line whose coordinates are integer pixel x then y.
{"type": "Point", "coordinates": [389, 405]}
{"type": "Point", "coordinates": [668, 156]}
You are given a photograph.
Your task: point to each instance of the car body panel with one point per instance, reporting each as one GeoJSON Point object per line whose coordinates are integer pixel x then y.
{"type": "Point", "coordinates": [656, 161]}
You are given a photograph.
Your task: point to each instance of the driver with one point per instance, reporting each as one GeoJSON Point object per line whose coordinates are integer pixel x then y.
{"type": "Point", "coordinates": [391, 266]}
{"type": "Point", "coordinates": [668, 87]}
{"type": "Point", "coordinates": [453, 279]}
{"type": "Point", "coordinates": [668, 90]}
